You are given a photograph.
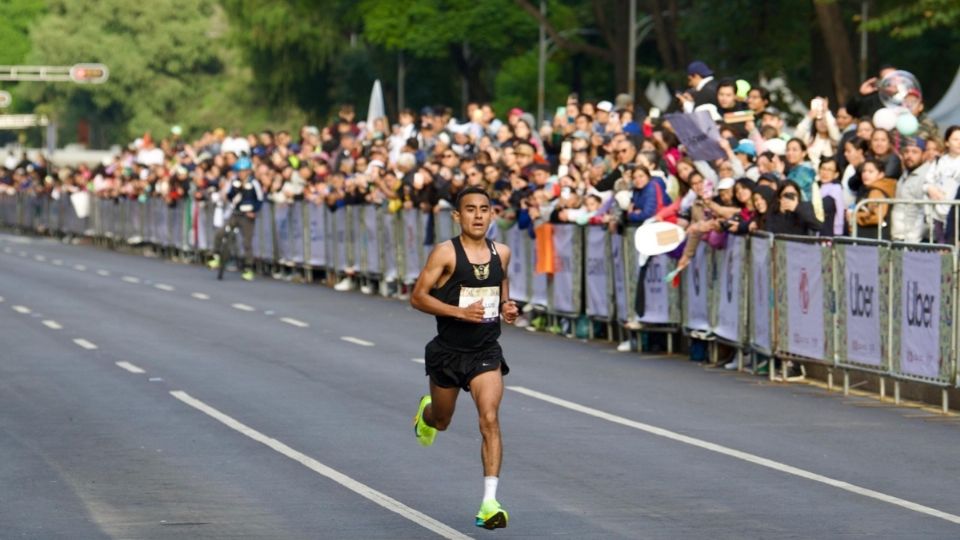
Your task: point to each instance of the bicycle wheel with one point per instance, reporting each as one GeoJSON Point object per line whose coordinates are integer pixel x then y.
{"type": "Point", "coordinates": [225, 249]}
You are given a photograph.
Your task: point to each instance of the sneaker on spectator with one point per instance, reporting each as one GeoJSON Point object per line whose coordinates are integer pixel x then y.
{"type": "Point", "coordinates": [626, 346]}
{"type": "Point", "coordinates": [731, 365]}
{"type": "Point", "coordinates": [633, 324]}
{"type": "Point", "coordinates": [366, 288]}
{"type": "Point", "coordinates": [345, 284]}
{"type": "Point", "coordinates": [522, 322]}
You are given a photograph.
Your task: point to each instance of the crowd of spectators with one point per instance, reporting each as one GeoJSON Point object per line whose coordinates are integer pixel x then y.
{"type": "Point", "coordinates": [605, 163]}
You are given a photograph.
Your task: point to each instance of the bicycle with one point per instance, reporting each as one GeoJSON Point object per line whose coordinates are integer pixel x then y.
{"type": "Point", "coordinates": [228, 246]}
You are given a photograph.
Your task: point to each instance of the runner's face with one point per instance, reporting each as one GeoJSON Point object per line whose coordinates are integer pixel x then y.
{"type": "Point", "coordinates": [474, 215]}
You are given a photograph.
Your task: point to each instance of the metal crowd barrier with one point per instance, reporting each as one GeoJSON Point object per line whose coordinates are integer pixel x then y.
{"type": "Point", "coordinates": [851, 304]}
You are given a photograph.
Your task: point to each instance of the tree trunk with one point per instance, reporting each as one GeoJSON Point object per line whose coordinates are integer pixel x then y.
{"type": "Point", "coordinates": [663, 35]}
{"type": "Point", "coordinates": [839, 53]}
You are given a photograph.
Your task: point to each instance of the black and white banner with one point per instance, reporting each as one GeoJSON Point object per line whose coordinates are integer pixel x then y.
{"type": "Point", "coordinates": [920, 314]}
{"type": "Point", "coordinates": [518, 240]}
{"type": "Point", "coordinates": [862, 288]}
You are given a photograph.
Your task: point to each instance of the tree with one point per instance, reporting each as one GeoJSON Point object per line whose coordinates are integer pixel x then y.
{"type": "Point", "coordinates": [839, 53]}
{"type": "Point", "coordinates": [16, 17]}
{"type": "Point", "coordinates": [477, 39]}
{"type": "Point", "coordinates": [168, 65]}
{"type": "Point", "coordinates": [914, 18]}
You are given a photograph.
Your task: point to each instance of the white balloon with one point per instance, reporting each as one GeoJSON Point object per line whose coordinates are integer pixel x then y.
{"type": "Point", "coordinates": [885, 118]}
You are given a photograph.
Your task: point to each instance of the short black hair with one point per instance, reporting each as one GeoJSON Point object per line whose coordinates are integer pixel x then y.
{"type": "Point", "coordinates": [472, 190]}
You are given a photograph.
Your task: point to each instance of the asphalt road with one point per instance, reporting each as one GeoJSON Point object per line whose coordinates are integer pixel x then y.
{"type": "Point", "coordinates": [141, 398]}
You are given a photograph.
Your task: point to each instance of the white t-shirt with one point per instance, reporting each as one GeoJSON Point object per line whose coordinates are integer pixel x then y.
{"type": "Point", "coordinates": [945, 176]}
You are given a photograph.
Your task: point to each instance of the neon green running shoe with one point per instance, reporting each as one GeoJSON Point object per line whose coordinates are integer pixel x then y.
{"type": "Point", "coordinates": [492, 515]}
{"type": "Point", "coordinates": [425, 434]}
{"type": "Point", "coordinates": [247, 275]}
{"type": "Point", "coordinates": [214, 262]}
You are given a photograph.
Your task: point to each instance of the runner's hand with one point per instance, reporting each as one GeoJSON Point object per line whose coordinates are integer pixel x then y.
{"type": "Point", "coordinates": [509, 312]}
{"type": "Point", "coordinates": [473, 312]}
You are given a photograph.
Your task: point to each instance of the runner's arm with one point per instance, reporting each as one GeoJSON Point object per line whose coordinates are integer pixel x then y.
{"type": "Point", "coordinates": [441, 258]}
{"type": "Point", "coordinates": [508, 308]}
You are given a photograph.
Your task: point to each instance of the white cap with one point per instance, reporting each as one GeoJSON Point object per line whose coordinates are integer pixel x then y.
{"type": "Point", "coordinates": [777, 146]}
{"type": "Point", "coordinates": [605, 106]}
{"type": "Point", "coordinates": [726, 183]}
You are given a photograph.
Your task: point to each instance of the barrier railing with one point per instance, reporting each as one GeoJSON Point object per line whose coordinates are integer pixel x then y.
{"type": "Point", "coordinates": [852, 304]}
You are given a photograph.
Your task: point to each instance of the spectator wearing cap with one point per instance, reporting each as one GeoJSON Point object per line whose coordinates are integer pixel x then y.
{"type": "Point", "coordinates": [703, 88]}
{"type": "Point", "coordinates": [604, 108]}
{"type": "Point", "coordinates": [746, 154]}
{"type": "Point", "coordinates": [907, 220]}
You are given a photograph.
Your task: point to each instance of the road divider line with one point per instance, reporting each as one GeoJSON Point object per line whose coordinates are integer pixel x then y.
{"type": "Point", "coordinates": [130, 367]}
{"type": "Point", "coordinates": [744, 456]}
{"type": "Point", "coordinates": [21, 309]}
{"type": "Point", "coordinates": [359, 488]}
{"type": "Point", "coordinates": [294, 322]}
{"type": "Point", "coordinates": [103, 273]}
{"type": "Point", "coordinates": [131, 279]}
{"type": "Point", "coordinates": [57, 262]}
{"type": "Point", "coordinates": [53, 325]}
{"type": "Point", "coordinates": [85, 344]}
{"type": "Point", "coordinates": [242, 307]}
{"type": "Point", "coordinates": [200, 296]}
{"type": "Point", "coordinates": [164, 287]}
{"type": "Point", "coordinates": [1, 299]}
{"type": "Point", "coordinates": [39, 258]}
{"type": "Point", "coordinates": [357, 341]}
{"type": "Point", "coordinates": [418, 360]}
{"type": "Point", "coordinates": [79, 268]}
{"type": "Point", "coordinates": [22, 253]}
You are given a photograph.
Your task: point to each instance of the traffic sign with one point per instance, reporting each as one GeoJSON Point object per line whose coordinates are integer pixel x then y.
{"type": "Point", "coordinates": [89, 73]}
{"type": "Point", "coordinates": [5, 99]}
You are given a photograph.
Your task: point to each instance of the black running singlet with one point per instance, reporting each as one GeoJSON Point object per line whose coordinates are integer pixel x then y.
{"type": "Point", "coordinates": [469, 283]}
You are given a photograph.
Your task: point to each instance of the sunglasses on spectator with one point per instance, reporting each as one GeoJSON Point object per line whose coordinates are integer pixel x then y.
{"type": "Point", "coordinates": [789, 195]}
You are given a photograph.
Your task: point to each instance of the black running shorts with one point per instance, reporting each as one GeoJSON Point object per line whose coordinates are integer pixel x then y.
{"type": "Point", "coordinates": [448, 368]}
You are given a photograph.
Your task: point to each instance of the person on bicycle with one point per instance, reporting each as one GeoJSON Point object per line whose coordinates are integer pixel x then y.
{"type": "Point", "coordinates": [245, 196]}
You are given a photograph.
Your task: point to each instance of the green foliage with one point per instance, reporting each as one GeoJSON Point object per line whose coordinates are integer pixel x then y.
{"type": "Point", "coordinates": [167, 59]}
{"type": "Point", "coordinates": [16, 17]}
{"type": "Point", "coordinates": [912, 19]}
{"type": "Point", "coordinates": [516, 85]}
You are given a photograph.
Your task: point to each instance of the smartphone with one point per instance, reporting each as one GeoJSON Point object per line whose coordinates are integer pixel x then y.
{"type": "Point", "coordinates": [561, 111]}
{"type": "Point", "coordinates": [566, 151]}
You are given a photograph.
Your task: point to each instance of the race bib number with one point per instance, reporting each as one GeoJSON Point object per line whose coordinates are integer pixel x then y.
{"type": "Point", "coordinates": [490, 296]}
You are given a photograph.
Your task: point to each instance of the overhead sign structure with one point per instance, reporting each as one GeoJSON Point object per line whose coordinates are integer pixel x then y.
{"type": "Point", "coordinates": [89, 73]}
{"type": "Point", "coordinates": [77, 73]}
{"type": "Point", "coordinates": [5, 99]}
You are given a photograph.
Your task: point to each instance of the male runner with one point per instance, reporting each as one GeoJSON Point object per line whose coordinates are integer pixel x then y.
{"type": "Point", "coordinates": [464, 284]}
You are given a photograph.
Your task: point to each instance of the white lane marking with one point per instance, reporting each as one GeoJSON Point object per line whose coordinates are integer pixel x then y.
{"type": "Point", "coordinates": [7, 250]}
{"type": "Point", "coordinates": [418, 360]}
{"type": "Point", "coordinates": [131, 279]}
{"type": "Point", "coordinates": [85, 344]}
{"type": "Point", "coordinates": [79, 268]}
{"type": "Point", "coordinates": [22, 253]}
{"type": "Point", "coordinates": [359, 488]}
{"type": "Point", "coordinates": [53, 325]}
{"type": "Point", "coordinates": [57, 262]}
{"type": "Point", "coordinates": [21, 309]}
{"type": "Point", "coordinates": [242, 307]}
{"type": "Point", "coordinates": [1, 299]}
{"type": "Point", "coordinates": [200, 296]}
{"type": "Point", "coordinates": [357, 341]}
{"type": "Point", "coordinates": [103, 273]}
{"type": "Point", "coordinates": [745, 456]}
{"type": "Point", "coordinates": [164, 287]}
{"type": "Point", "coordinates": [40, 258]}
{"type": "Point", "coordinates": [295, 322]}
{"type": "Point", "coordinates": [130, 367]}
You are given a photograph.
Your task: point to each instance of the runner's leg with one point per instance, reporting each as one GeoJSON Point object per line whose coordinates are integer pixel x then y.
{"type": "Point", "coordinates": [487, 391]}
{"type": "Point", "coordinates": [440, 411]}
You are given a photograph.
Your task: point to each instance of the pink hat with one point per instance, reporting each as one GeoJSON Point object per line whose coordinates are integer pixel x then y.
{"type": "Point", "coordinates": [516, 111]}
